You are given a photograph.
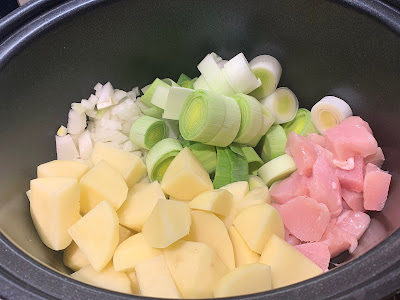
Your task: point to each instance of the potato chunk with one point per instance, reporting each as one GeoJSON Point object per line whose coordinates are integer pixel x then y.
{"type": "Point", "coordinates": [132, 251]}
{"type": "Point", "coordinates": [139, 205]}
{"type": "Point", "coordinates": [102, 182]}
{"type": "Point", "coordinates": [246, 279]}
{"type": "Point", "coordinates": [97, 234]}
{"type": "Point", "coordinates": [243, 254]}
{"type": "Point", "coordinates": [168, 222]}
{"type": "Point", "coordinates": [54, 208]}
{"type": "Point", "coordinates": [185, 177]}
{"type": "Point", "coordinates": [155, 279]}
{"type": "Point", "coordinates": [128, 164]}
{"type": "Point", "coordinates": [107, 278]}
{"type": "Point", "coordinates": [257, 223]}
{"type": "Point", "coordinates": [238, 189]}
{"type": "Point", "coordinates": [195, 268]}
{"type": "Point", "coordinates": [63, 168]}
{"type": "Point", "coordinates": [216, 201]}
{"type": "Point", "coordinates": [288, 265]}
{"type": "Point", "coordinates": [208, 229]}
{"type": "Point", "coordinates": [74, 258]}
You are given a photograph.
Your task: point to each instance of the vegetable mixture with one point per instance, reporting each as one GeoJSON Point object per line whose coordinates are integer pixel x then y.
{"type": "Point", "coordinates": [213, 186]}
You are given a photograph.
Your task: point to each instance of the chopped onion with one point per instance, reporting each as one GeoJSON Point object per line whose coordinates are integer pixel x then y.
{"type": "Point", "coordinates": [62, 131]}
{"type": "Point", "coordinates": [119, 95]}
{"type": "Point", "coordinates": [66, 149]}
{"type": "Point", "coordinates": [76, 122]}
{"type": "Point", "coordinates": [85, 145]}
{"type": "Point", "coordinates": [105, 98]}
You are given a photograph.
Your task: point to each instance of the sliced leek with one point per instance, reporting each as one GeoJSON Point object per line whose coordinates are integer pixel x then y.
{"type": "Point", "coordinates": [269, 70]}
{"type": "Point", "coordinates": [213, 75]}
{"type": "Point", "coordinates": [301, 124]}
{"type": "Point", "coordinates": [251, 118]}
{"type": "Point", "coordinates": [154, 112]}
{"type": "Point", "coordinates": [160, 96]}
{"type": "Point", "coordinates": [173, 128]}
{"type": "Point", "coordinates": [239, 75]}
{"type": "Point", "coordinates": [209, 118]}
{"type": "Point", "coordinates": [148, 94]}
{"type": "Point", "coordinates": [273, 143]}
{"type": "Point", "coordinates": [283, 104]}
{"type": "Point", "coordinates": [268, 121]}
{"type": "Point", "coordinates": [254, 161]}
{"type": "Point", "coordinates": [329, 112]}
{"type": "Point", "coordinates": [255, 181]}
{"type": "Point", "coordinates": [147, 131]}
{"type": "Point", "coordinates": [277, 169]}
{"type": "Point", "coordinates": [160, 156]}
{"type": "Point", "coordinates": [182, 79]}
{"type": "Point", "coordinates": [170, 82]}
{"type": "Point", "coordinates": [175, 100]}
{"type": "Point", "coordinates": [201, 84]}
{"type": "Point", "coordinates": [231, 167]}
{"type": "Point", "coordinates": [189, 84]}
{"type": "Point", "coordinates": [206, 154]}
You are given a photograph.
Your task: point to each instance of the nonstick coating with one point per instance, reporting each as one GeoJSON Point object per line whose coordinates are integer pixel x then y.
{"type": "Point", "coordinates": [53, 52]}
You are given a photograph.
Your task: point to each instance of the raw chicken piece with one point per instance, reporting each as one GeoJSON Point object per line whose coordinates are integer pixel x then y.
{"type": "Point", "coordinates": [324, 186]}
{"type": "Point", "coordinates": [293, 186]}
{"type": "Point", "coordinates": [305, 218]}
{"type": "Point", "coordinates": [291, 239]}
{"type": "Point", "coordinates": [302, 151]}
{"type": "Point", "coordinates": [377, 159]}
{"type": "Point", "coordinates": [317, 252]}
{"type": "Point", "coordinates": [316, 139]}
{"type": "Point", "coordinates": [354, 223]}
{"type": "Point", "coordinates": [338, 240]}
{"type": "Point", "coordinates": [348, 140]}
{"type": "Point", "coordinates": [352, 179]}
{"type": "Point", "coordinates": [356, 120]}
{"type": "Point", "coordinates": [354, 200]}
{"type": "Point", "coordinates": [376, 187]}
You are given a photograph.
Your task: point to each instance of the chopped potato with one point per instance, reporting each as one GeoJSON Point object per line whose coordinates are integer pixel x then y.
{"type": "Point", "coordinates": [237, 189]}
{"type": "Point", "coordinates": [216, 201]}
{"type": "Point", "coordinates": [243, 254]}
{"type": "Point", "coordinates": [74, 258]}
{"type": "Point", "coordinates": [63, 168]}
{"type": "Point", "coordinates": [134, 282]}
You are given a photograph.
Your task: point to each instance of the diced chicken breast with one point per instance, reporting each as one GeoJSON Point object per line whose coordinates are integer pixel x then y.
{"type": "Point", "coordinates": [303, 153]}
{"type": "Point", "coordinates": [338, 240]}
{"type": "Point", "coordinates": [354, 200]}
{"type": "Point", "coordinates": [377, 159]}
{"type": "Point", "coordinates": [352, 179]}
{"type": "Point", "coordinates": [293, 186]}
{"type": "Point", "coordinates": [356, 120]}
{"type": "Point", "coordinates": [317, 252]}
{"type": "Point", "coordinates": [354, 223]}
{"type": "Point", "coordinates": [376, 187]}
{"type": "Point", "coordinates": [316, 139]}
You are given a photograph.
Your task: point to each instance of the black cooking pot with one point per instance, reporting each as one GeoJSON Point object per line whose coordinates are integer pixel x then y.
{"type": "Point", "coordinates": [53, 52]}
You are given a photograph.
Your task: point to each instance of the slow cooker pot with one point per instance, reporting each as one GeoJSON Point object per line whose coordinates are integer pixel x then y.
{"type": "Point", "coordinates": [53, 52]}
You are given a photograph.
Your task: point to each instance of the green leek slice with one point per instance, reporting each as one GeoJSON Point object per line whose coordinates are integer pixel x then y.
{"type": "Point", "coordinates": [175, 100]}
{"type": "Point", "coordinates": [160, 96]}
{"type": "Point", "coordinates": [183, 78]}
{"type": "Point", "coordinates": [201, 84]}
{"type": "Point", "coordinates": [268, 121]}
{"type": "Point", "coordinates": [170, 82]}
{"type": "Point", "coordinates": [148, 131]}
{"type": "Point", "coordinates": [283, 104]}
{"type": "Point", "coordinates": [206, 154]}
{"type": "Point", "coordinates": [254, 161]}
{"type": "Point", "coordinates": [269, 70]}
{"type": "Point", "coordinates": [251, 118]}
{"type": "Point", "coordinates": [154, 112]}
{"type": "Point", "coordinates": [273, 143]}
{"type": "Point", "coordinates": [148, 94]}
{"type": "Point", "coordinates": [231, 167]}
{"type": "Point", "coordinates": [160, 156]}
{"type": "Point", "coordinates": [301, 124]}
{"type": "Point", "coordinates": [255, 181]}
{"type": "Point", "coordinates": [173, 128]}
{"type": "Point", "coordinates": [277, 169]}
{"type": "Point", "coordinates": [189, 84]}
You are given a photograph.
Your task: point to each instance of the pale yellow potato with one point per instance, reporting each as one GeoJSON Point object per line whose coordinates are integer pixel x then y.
{"type": "Point", "coordinates": [155, 279]}
{"type": "Point", "coordinates": [74, 258]}
{"type": "Point", "coordinates": [243, 254]}
{"type": "Point", "coordinates": [107, 278]}
{"type": "Point", "coordinates": [139, 205]}
{"type": "Point", "coordinates": [132, 251]}
{"type": "Point", "coordinates": [195, 268]}
{"type": "Point", "coordinates": [246, 279]}
{"type": "Point", "coordinates": [54, 207]}
{"type": "Point", "coordinates": [102, 182]}
{"type": "Point", "coordinates": [28, 195]}
{"type": "Point", "coordinates": [128, 164]}
{"type": "Point", "coordinates": [124, 233]}
{"type": "Point", "coordinates": [257, 223]}
{"type": "Point", "coordinates": [208, 229]}
{"type": "Point", "coordinates": [168, 222]}
{"type": "Point", "coordinates": [97, 234]}
{"type": "Point", "coordinates": [63, 168]}
{"type": "Point", "coordinates": [185, 177]}
{"type": "Point", "coordinates": [238, 189]}
{"type": "Point", "coordinates": [134, 282]}
{"type": "Point", "coordinates": [216, 201]}
{"type": "Point", "coordinates": [288, 265]}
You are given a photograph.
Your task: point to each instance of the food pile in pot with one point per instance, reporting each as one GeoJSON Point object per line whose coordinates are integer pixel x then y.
{"type": "Point", "coordinates": [213, 186]}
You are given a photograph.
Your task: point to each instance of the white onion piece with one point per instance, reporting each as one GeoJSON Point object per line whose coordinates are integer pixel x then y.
{"type": "Point", "coordinates": [86, 104]}
{"type": "Point", "coordinates": [76, 122]}
{"type": "Point", "coordinates": [105, 98]}
{"type": "Point", "coordinates": [93, 99]}
{"type": "Point", "coordinates": [209, 68]}
{"type": "Point", "coordinates": [136, 91]}
{"type": "Point", "coordinates": [78, 107]}
{"type": "Point", "coordinates": [85, 145]}
{"type": "Point", "coordinates": [160, 96]}
{"type": "Point", "coordinates": [127, 146]}
{"type": "Point", "coordinates": [66, 149]}
{"type": "Point", "coordinates": [98, 87]}
{"type": "Point", "coordinates": [62, 131]}
{"type": "Point", "coordinates": [283, 104]}
{"type": "Point", "coordinates": [329, 112]}
{"type": "Point", "coordinates": [239, 75]}
{"type": "Point", "coordinates": [269, 70]}
{"type": "Point", "coordinates": [118, 96]}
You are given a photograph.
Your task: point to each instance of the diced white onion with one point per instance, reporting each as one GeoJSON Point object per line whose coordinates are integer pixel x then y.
{"type": "Point", "coordinates": [85, 145]}
{"type": "Point", "coordinates": [105, 98]}
{"type": "Point", "coordinates": [76, 122]}
{"type": "Point", "coordinates": [119, 95]}
{"type": "Point", "coordinates": [66, 149]}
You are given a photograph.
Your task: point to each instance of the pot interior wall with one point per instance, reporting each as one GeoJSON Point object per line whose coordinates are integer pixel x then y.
{"type": "Point", "coordinates": [324, 49]}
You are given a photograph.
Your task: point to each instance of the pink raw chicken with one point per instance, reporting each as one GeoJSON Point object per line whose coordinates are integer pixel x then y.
{"type": "Point", "coordinates": [324, 186]}
{"type": "Point", "coordinates": [338, 240]}
{"type": "Point", "coordinates": [356, 120]}
{"type": "Point", "coordinates": [354, 200]}
{"type": "Point", "coordinates": [348, 140]}
{"type": "Point", "coordinates": [316, 252]}
{"type": "Point", "coordinates": [354, 223]}
{"type": "Point", "coordinates": [302, 151]}
{"type": "Point", "coordinates": [290, 238]}
{"type": "Point", "coordinates": [352, 179]}
{"type": "Point", "coordinates": [305, 218]}
{"type": "Point", "coordinates": [293, 186]}
{"type": "Point", "coordinates": [377, 159]}
{"type": "Point", "coordinates": [376, 187]}
{"type": "Point", "coordinates": [316, 139]}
